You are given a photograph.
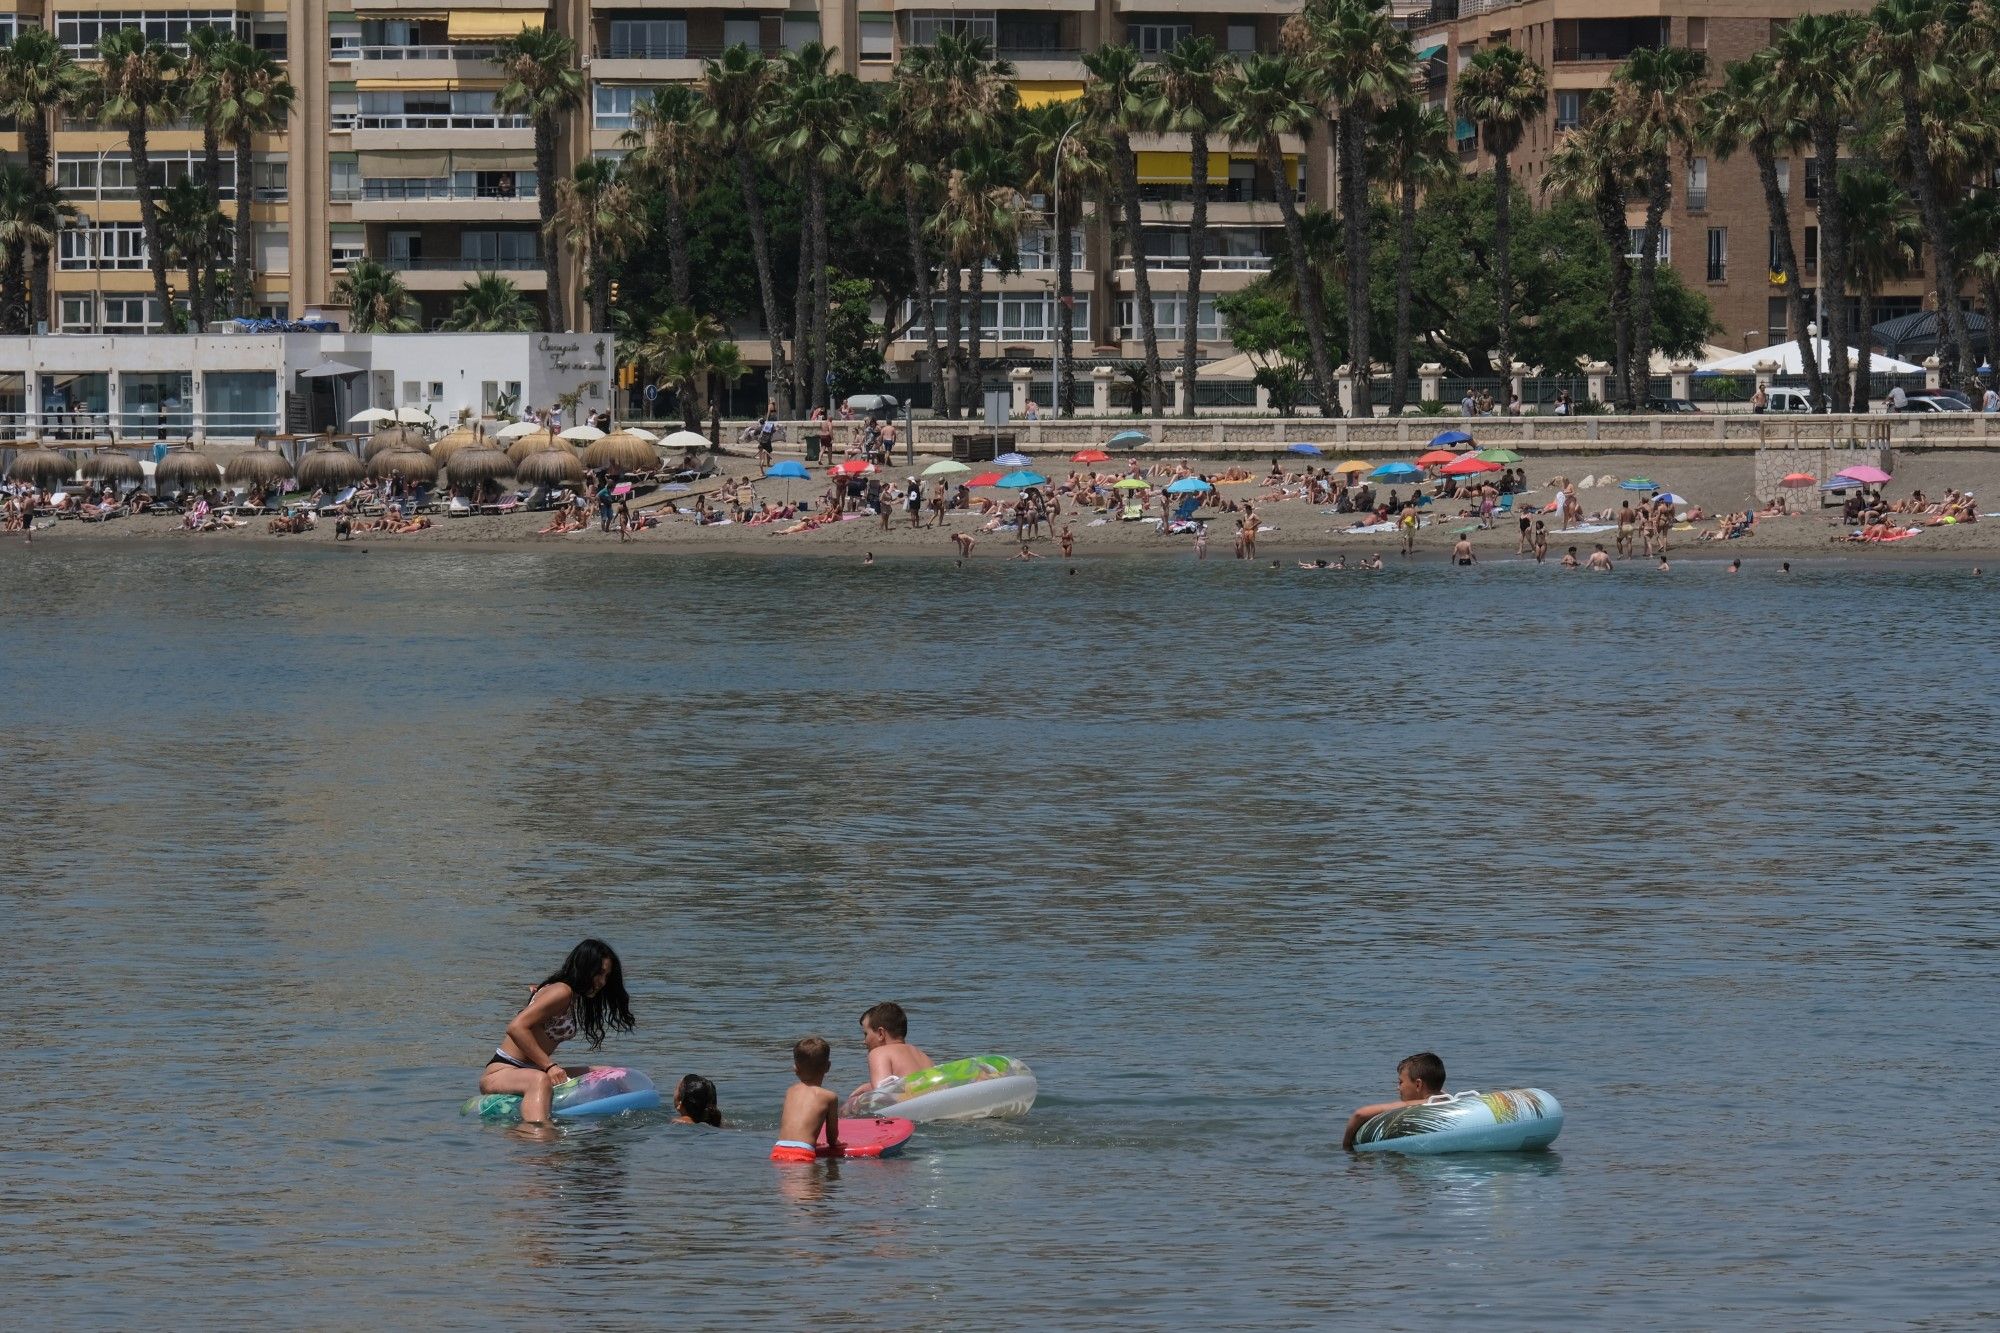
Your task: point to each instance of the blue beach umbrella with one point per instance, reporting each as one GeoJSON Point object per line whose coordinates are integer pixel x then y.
{"type": "Point", "coordinates": [1671, 498]}
{"type": "Point", "coordinates": [1396, 472]}
{"type": "Point", "coordinates": [790, 468]}
{"type": "Point", "coordinates": [1309, 450]}
{"type": "Point", "coordinates": [1020, 481]}
{"type": "Point", "coordinates": [1443, 438]}
{"type": "Point", "coordinates": [1129, 439]}
{"type": "Point", "coordinates": [1188, 485]}
{"type": "Point", "coordinates": [1013, 460]}
{"type": "Point", "coordinates": [1637, 484]}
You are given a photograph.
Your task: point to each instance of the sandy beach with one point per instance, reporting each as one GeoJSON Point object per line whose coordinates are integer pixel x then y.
{"type": "Point", "coordinates": [1295, 528]}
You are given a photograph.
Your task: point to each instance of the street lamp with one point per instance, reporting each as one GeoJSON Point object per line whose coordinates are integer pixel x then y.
{"type": "Point", "coordinates": [1061, 238]}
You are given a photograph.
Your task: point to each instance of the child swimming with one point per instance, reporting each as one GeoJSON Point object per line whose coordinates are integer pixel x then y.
{"type": "Point", "coordinates": [694, 1103]}
{"type": "Point", "coordinates": [1418, 1078]}
{"type": "Point", "coordinates": [809, 1108]}
{"type": "Point", "coordinates": [884, 1031]}
{"type": "Point", "coordinates": [585, 995]}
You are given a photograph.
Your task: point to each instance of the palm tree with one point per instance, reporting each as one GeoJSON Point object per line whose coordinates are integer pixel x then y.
{"type": "Point", "coordinates": [1811, 76]}
{"type": "Point", "coordinates": [38, 79]}
{"type": "Point", "coordinates": [542, 83]}
{"type": "Point", "coordinates": [135, 91]}
{"type": "Point", "coordinates": [490, 303]}
{"type": "Point", "coordinates": [895, 165]}
{"type": "Point", "coordinates": [200, 88]}
{"type": "Point", "coordinates": [1051, 136]}
{"type": "Point", "coordinates": [376, 300]}
{"type": "Point", "coordinates": [815, 131]}
{"type": "Point", "coordinates": [1361, 63]}
{"type": "Point", "coordinates": [1976, 223]}
{"type": "Point", "coordinates": [594, 217]}
{"type": "Point", "coordinates": [1500, 90]}
{"type": "Point", "coordinates": [1116, 99]}
{"type": "Point", "coordinates": [666, 135]}
{"type": "Point", "coordinates": [1656, 93]}
{"type": "Point", "coordinates": [1909, 57]}
{"type": "Point", "coordinates": [1749, 109]}
{"type": "Point", "coordinates": [1189, 101]}
{"type": "Point", "coordinates": [1274, 98]}
{"type": "Point", "coordinates": [189, 225]}
{"type": "Point", "coordinates": [688, 353]}
{"type": "Point", "coordinates": [981, 220]}
{"type": "Point", "coordinates": [254, 97]}
{"type": "Point", "coordinates": [1412, 153]}
{"type": "Point", "coordinates": [740, 87]}
{"type": "Point", "coordinates": [1883, 244]}
{"type": "Point", "coordinates": [31, 216]}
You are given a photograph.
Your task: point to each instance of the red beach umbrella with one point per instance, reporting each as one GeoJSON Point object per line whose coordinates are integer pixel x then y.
{"type": "Point", "coordinates": [986, 479]}
{"type": "Point", "coordinates": [1466, 467]}
{"type": "Point", "coordinates": [1434, 457]}
{"type": "Point", "coordinates": [1798, 480]}
{"type": "Point", "coordinates": [1090, 456]}
{"type": "Point", "coordinates": [853, 467]}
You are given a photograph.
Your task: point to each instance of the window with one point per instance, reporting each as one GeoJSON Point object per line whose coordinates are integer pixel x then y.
{"type": "Point", "coordinates": [800, 30]}
{"type": "Point", "coordinates": [878, 37]}
{"type": "Point", "coordinates": [79, 313]}
{"type": "Point", "coordinates": [1810, 260]}
{"type": "Point", "coordinates": [648, 39]}
{"type": "Point", "coordinates": [1037, 254]}
{"type": "Point", "coordinates": [500, 249]}
{"type": "Point", "coordinates": [1635, 242]}
{"type": "Point", "coordinates": [611, 104]}
{"type": "Point", "coordinates": [1784, 166]}
{"type": "Point", "coordinates": [81, 33]}
{"type": "Point", "coordinates": [103, 245]}
{"type": "Point", "coordinates": [273, 248]}
{"type": "Point", "coordinates": [1812, 180]}
{"type": "Point", "coordinates": [413, 391]}
{"type": "Point", "coordinates": [927, 25]}
{"type": "Point", "coordinates": [1697, 192]}
{"type": "Point", "coordinates": [344, 173]}
{"type": "Point", "coordinates": [86, 176]}
{"type": "Point", "coordinates": [1776, 262]}
{"type": "Point", "coordinates": [1156, 39]}
{"type": "Point", "coordinates": [1168, 308]}
{"type": "Point", "coordinates": [1013, 317]}
{"type": "Point", "coordinates": [270, 179]}
{"type": "Point", "coordinates": [1697, 34]}
{"type": "Point", "coordinates": [1718, 254]}
{"type": "Point", "coordinates": [437, 390]}
{"type": "Point", "coordinates": [1242, 39]}
{"type": "Point", "coordinates": [1777, 320]}
{"type": "Point", "coordinates": [743, 32]}
{"type": "Point", "coordinates": [350, 244]}
{"type": "Point", "coordinates": [1569, 109]}
{"type": "Point", "coordinates": [130, 314]}
{"type": "Point", "coordinates": [240, 401]}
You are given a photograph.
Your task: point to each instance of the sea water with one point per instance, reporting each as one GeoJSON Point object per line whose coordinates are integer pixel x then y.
{"type": "Point", "coordinates": [290, 833]}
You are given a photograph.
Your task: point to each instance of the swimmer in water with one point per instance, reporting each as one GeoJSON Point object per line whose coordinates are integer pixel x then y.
{"type": "Point", "coordinates": [868, 559]}
{"type": "Point", "coordinates": [583, 996]}
{"type": "Point", "coordinates": [1599, 560]}
{"type": "Point", "coordinates": [695, 1103]}
{"type": "Point", "coordinates": [1735, 565]}
{"type": "Point", "coordinates": [1418, 1078]}
{"type": "Point", "coordinates": [885, 1031]}
{"type": "Point", "coordinates": [1569, 560]}
{"type": "Point", "coordinates": [809, 1108]}
{"type": "Point", "coordinates": [1374, 562]}
{"type": "Point", "coordinates": [1663, 566]}
{"type": "Point", "coordinates": [1461, 551]}
{"type": "Point", "coordinates": [1785, 568]}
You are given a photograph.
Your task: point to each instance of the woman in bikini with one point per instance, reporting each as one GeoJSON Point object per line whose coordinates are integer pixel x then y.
{"type": "Point", "coordinates": [585, 995]}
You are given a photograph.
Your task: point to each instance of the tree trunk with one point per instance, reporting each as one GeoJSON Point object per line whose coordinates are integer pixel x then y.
{"type": "Point", "coordinates": [1065, 388]}
{"type": "Point", "coordinates": [1197, 259]}
{"type": "Point", "coordinates": [1312, 305]}
{"type": "Point", "coordinates": [680, 280]}
{"type": "Point", "coordinates": [35, 141]}
{"type": "Point", "coordinates": [1659, 189]}
{"type": "Point", "coordinates": [1354, 226]}
{"type": "Point", "coordinates": [242, 261]}
{"type": "Point", "coordinates": [1503, 261]}
{"type": "Point", "coordinates": [1406, 259]}
{"type": "Point", "coordinates": [149, 222]}
{"type": "Point", "coordinates": [1832, 261]}
{"type": "Point", "coordinates": [974, 387]}
{"type": "Point", "coordinates": [600, 285]}
{"type": "Point", "coordinates": [954, 326]}
{"type": "Point", "coordinates": [1937, 239]}
{"type": "Point", "coordinates": [546, 129]}
{"type": "Point", "coordinates": [1865, 303]}
{"type": "Point", "coordinates": [920, 273]}
{"type": "Point", "coordinates": [760, 249]}
{"type": "Point", "coordinates": [1142, 281]}
{"type": "Point", "coordinates": [204, 294]}
{"type": "Point", "coordinates": [1610, 202]}
{"type": "Point", "coordinates": [1788, 264]}
{"type": "Point", "coordinates": [14, 315]}
{"type": "Point", "coordinates": [822, 392]}
{"type": "Point", "coordinates": [197, 290]}
{"type": "Point", "coordinates": [802, 319]}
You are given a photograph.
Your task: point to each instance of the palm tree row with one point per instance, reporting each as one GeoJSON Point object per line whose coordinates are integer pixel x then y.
{"type": "Point", "coordinates": [231, 89]}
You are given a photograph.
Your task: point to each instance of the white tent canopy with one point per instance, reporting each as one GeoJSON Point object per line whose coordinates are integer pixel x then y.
{"type": "Point", "coordinates": [1786, 354]}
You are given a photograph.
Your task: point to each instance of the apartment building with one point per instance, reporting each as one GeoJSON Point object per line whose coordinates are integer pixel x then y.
{"type": "Point", "coordinates": [1717, 231]}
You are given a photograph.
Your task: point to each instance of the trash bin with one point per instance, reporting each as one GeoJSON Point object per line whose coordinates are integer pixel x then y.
{"type": "Point", "coordinates": [981, 446]}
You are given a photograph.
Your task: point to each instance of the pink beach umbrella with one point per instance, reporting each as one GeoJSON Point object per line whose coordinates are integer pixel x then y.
{"type": "Point", "coordinates": [1871, 476]}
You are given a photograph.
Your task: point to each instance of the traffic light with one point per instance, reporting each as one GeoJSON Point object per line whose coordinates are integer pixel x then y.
{"type": "Point", "coordinates": [614, 291]}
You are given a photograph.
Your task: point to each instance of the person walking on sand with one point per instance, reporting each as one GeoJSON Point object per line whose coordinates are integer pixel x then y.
{"type": "Point", "coordinates": [1201, 541]}
{"type": "Point", "coordinates": [1408, 521]}
{"type": "Point", "coordinates": [913, 504]}
{"type": "Point", "coordinates": [1541, 541]}
{"type": "Point", "coordinates": [1068, 542]}
{"type": "Point", "coordinates": [604, 504]}
{"type": "Point", "coordinates": [624, 522]}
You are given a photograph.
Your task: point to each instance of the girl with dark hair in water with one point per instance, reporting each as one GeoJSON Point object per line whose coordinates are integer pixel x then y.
{"type": "Point", "coordinates": [585, 995]}
{"type": "Point", "coordinates": [695, 1102]}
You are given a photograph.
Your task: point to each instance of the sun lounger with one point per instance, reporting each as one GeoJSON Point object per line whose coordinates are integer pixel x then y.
{"type": "Point", "coordinates": [1134, 512]}
{"type": "Point", "coordinates": [506, 506]}
{"type": "Point", "coordinates": [459, 507]}
{"type": "Point", "coordinates": [1185, 509]}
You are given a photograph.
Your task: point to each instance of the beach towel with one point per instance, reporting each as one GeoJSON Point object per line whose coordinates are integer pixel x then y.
{"type": "Point", "coordinates": [1585, 529]}
{"type": "Point", "coordinates": [1371, 527]}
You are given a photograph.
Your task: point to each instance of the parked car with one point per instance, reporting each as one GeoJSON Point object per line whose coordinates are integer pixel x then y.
{"type": "Point", "coordinates": [1670, 405]}
{"type": "Point", "coordinates": [1785, 398]}
{"type": "Point", "coordinates": [1936, 400]}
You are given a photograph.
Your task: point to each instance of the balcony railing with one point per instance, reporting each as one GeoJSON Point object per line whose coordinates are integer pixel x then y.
{"type": "Point", "coordinates": [355, 120]}
{"type": "Point", "coordinates": [453, 52]}
{"type": "Point", "coordinates": [392, 189]}
{"type": "Point", "coordinates": [1213, 263]}
{"type": "Point", "coordinates": [503, 264]}
{"type": "Point", "coordinates": [1233, 192]}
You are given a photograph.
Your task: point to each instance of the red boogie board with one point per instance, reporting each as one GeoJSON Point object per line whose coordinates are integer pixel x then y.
{"type": "Point", "coordinates": [870, 1138]}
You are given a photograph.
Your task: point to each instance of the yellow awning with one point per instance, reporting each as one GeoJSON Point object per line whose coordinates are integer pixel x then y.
{"type": "Point", "coordinates": [490, 25]}
{"type": "Point", "coordinates": [1172, 168]}
{"type": "Point", "coordinates": [1291, 161]}
{"type": "Point", "coordinates": [1042, 94]}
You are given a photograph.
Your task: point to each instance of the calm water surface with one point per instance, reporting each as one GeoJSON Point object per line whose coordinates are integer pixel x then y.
{"type": "Point", "coordinates": [1712, 859]}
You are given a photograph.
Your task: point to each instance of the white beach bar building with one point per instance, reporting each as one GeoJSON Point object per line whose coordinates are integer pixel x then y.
{"type": "Point", "coordinates": [136, 388]}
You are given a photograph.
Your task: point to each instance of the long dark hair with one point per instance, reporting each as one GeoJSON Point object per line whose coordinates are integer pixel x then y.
{"type": "Point", "coordinates": [610, 1006]}
{"type": "Point", "coordinates": [696, 1096]}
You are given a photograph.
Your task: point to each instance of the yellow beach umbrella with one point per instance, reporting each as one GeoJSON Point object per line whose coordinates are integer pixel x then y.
{"type": "Point", "coordinates": [1352, 465]}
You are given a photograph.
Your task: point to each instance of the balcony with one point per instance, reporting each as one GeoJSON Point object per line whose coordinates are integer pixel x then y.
{"type": "Point", "coordinates": [355, 120]}
{"type": "Point", "coordinates": [1582, 41]}
{"type": "Point", "coordinates": [449, 275]}
{"type": "Point", "coordinates": [434, 199]}
{"type": "Point", "coordinates": [402, 53]}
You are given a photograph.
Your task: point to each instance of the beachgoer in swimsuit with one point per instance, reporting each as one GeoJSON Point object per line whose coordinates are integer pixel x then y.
{"type": "Point", "coordinates": [1461, 551]}
{"type": "Point", "coordinates": [810, 1110]}
{"type": "Point", "coordinates": [583, 996]}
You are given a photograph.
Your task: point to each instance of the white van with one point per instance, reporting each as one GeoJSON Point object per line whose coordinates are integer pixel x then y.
{"type": "Point", "coordinates": [1787, 399]}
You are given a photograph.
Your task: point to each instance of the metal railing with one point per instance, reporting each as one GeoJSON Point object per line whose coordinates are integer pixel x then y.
{"type": "Point", "coordinates": [1234, 192]}
{"type": "Point", "coordinates": [462, 265]}
{"type": "Point", "coordinates": [418, 53]}
{"type": "Point", "coordinates": [402, 190]}
{"type": "Point", "coordinates": [1212, 263]}
{"type": "Point", "coordinates": [355, 120]}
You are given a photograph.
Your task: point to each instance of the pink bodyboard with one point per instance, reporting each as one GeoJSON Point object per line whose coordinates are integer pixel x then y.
{"type": "Point", "coordinates": [870, 1138]}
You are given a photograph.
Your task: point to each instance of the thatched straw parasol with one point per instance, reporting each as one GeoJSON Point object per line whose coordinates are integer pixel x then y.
{"type": "Point", "coordinates": [184, 469]}
{"type": "Point", "coordinates": [462, 438]}
{"type": "Point", "coordinates": [524, 445]}
{"type": "Point", "coordinates": [113, 465]}
{"type": "Point", "coordinates": [622, 453]}
{"type": "Point", "coordinates": [329, 467]}
{"type": "Point", "coordinates": [395, 437]}
{"type": "Point", "coordinates": [414, 464]}
{"type": "Point", "coordinates": [477, 464]}
{"type": "Point", "coordinates": [257, 467]}
{"type": "Point", "coordinates": [550, 467]}
{"type": "Point", "coordinates": [41, 466]}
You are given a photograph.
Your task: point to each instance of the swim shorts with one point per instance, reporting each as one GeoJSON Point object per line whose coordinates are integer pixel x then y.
{"type": "Point", "coordinates": [791, 1151]}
